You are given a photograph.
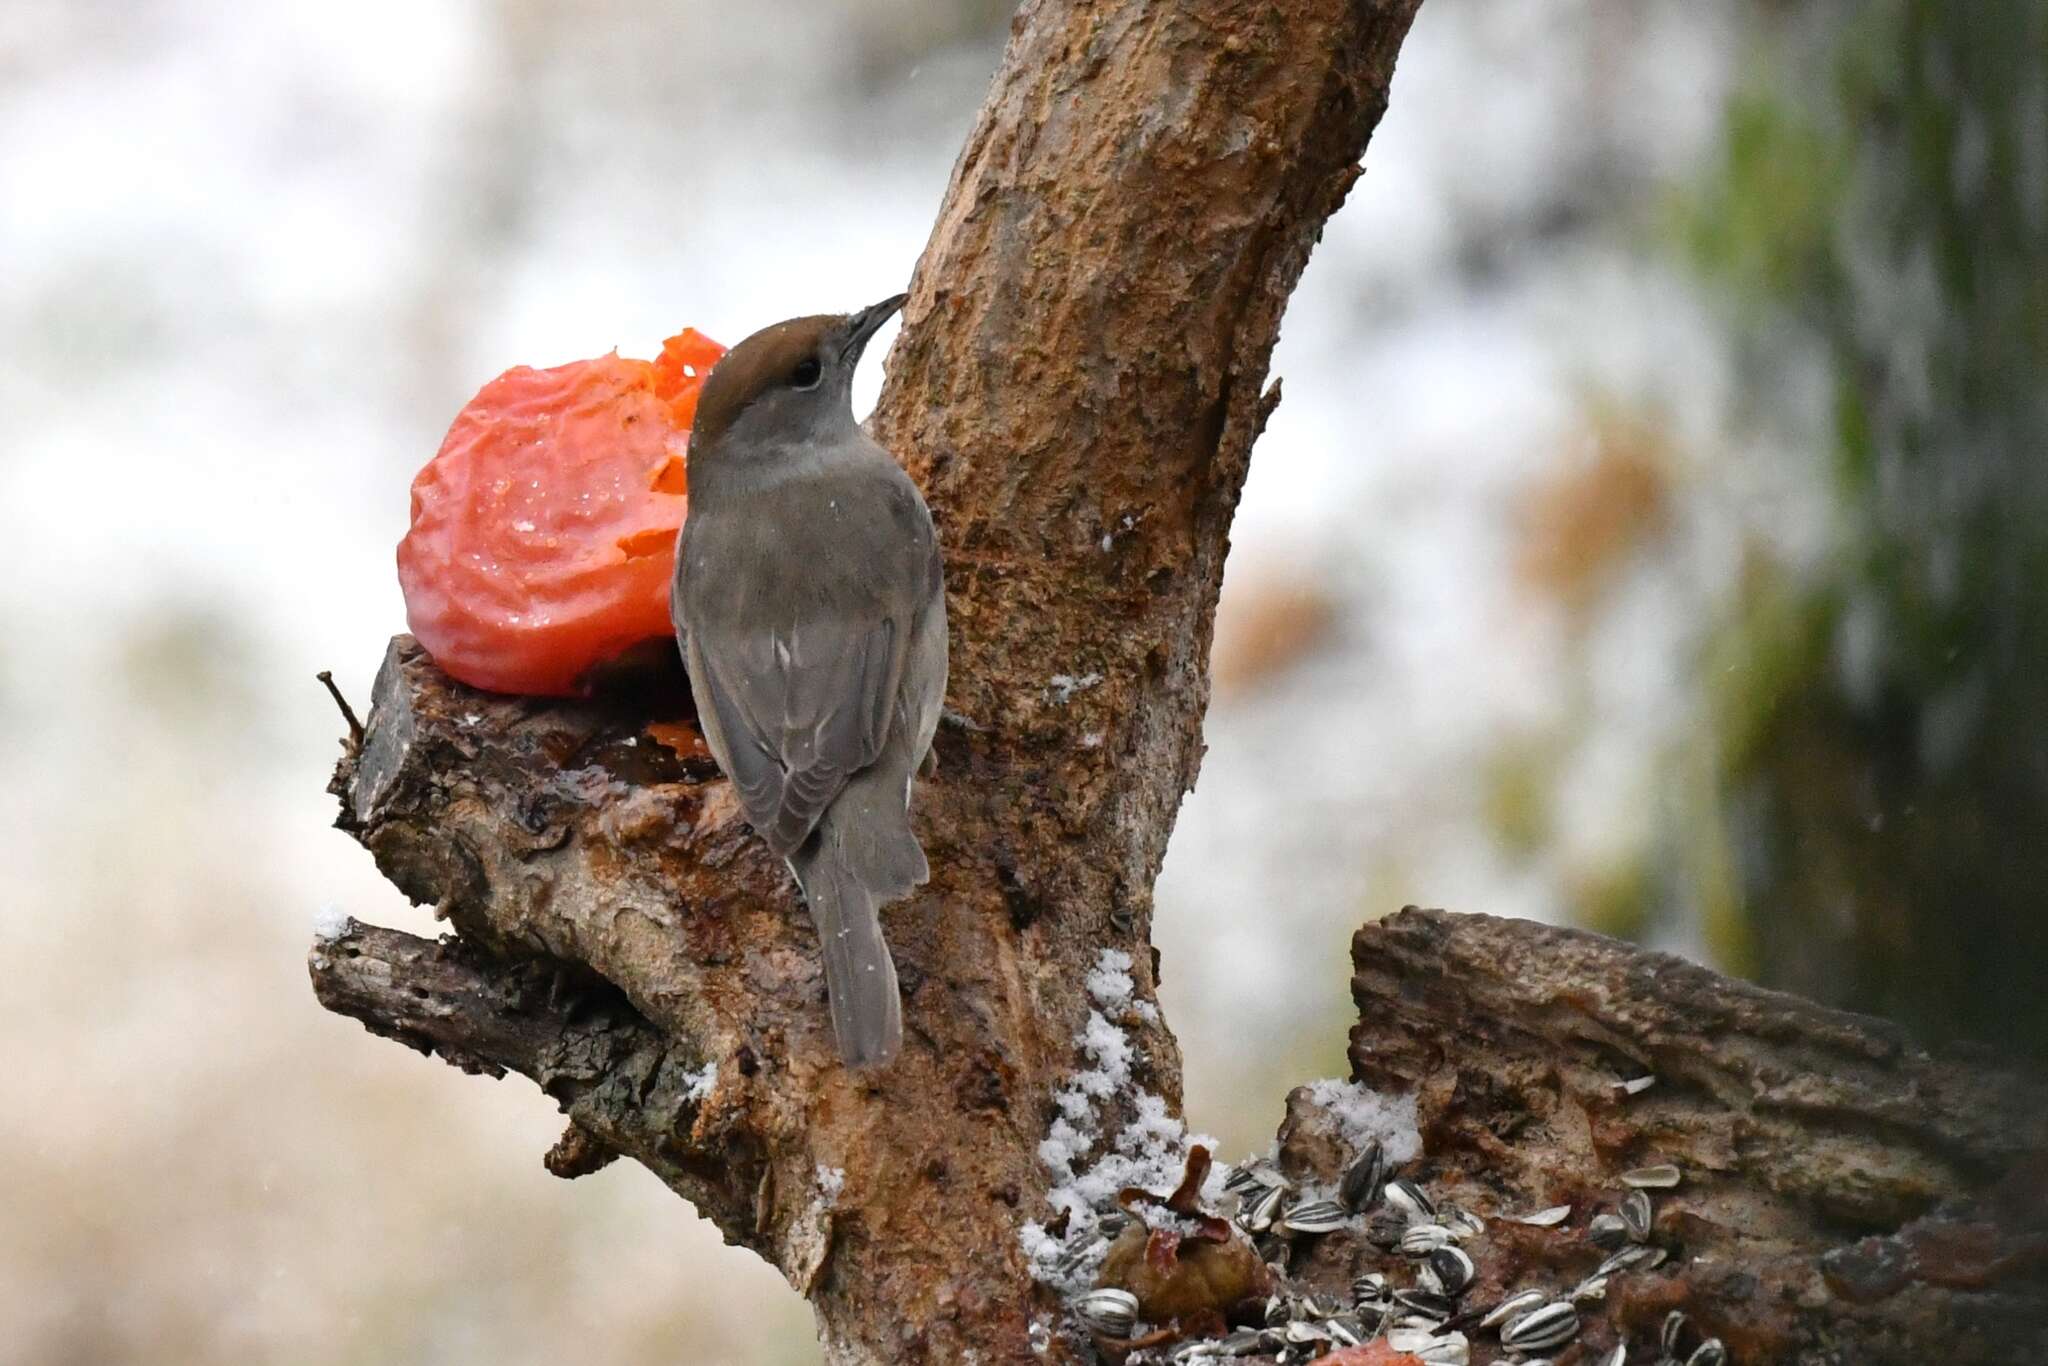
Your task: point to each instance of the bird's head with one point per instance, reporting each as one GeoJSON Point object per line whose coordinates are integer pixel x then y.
{"type": "Point", "coordinates": [790, 382]}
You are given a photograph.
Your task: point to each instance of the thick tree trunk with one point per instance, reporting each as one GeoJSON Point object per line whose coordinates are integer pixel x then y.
{"type": "Point", "coordinates": [1078, 387]}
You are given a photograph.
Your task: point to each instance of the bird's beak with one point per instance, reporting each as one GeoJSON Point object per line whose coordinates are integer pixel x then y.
{"type": "Point", "coordinates": [863, 325]}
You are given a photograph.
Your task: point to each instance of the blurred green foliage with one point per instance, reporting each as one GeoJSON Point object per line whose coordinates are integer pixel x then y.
{"type": "Point", "coordinates": [1882, 734]}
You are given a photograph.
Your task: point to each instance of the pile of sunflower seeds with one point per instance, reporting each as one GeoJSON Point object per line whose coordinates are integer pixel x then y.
{"type": "Point", "coordinates": [1425, 1317]}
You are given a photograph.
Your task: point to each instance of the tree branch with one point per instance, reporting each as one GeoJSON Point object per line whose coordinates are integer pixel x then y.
{"type": "Point", "coordinates": [1846, 1196]}
{"type": "Point", "coordinates": [1077, 387]}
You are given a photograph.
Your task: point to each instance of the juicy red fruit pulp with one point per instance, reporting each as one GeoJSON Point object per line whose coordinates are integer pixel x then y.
{"type": "Point", "coordinates": [543, 532]}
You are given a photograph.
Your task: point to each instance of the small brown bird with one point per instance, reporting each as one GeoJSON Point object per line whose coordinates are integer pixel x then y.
{"type": "Point", "coordinates": [811, 610]}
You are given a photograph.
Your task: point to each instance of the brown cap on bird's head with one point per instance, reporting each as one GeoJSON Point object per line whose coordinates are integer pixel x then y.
{"type": "Point", "coordinates": [795, 365]}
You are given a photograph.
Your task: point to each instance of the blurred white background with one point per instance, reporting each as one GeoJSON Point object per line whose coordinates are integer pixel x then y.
{"type": "Point", "coordinates": [253, 259]}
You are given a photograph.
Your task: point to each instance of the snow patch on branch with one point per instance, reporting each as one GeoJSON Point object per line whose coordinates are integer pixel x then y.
{"type": "Point", "coordinates": [330, 923]}
{"type": "Point", "coordinates": [1089, 1166]}
{"type": "Point", "coordinates": [1362, 1115]}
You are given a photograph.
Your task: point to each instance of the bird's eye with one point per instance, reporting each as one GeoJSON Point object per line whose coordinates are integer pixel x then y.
{"type": "Point", "coordinates": [806, 374]}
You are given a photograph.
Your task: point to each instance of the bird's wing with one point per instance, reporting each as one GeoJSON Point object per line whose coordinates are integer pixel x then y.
{"type": "Point", "coordinates": [801, 709]}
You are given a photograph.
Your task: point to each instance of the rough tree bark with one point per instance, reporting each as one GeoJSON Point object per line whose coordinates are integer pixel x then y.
{"type": "Point", "coordinates": [1847, 1196]}
{"type": "Point", "coordinates": [1078, 387]}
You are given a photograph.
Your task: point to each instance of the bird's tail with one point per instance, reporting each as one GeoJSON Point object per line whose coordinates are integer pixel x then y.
{"type": "Point", "coordinates": [860, 977]}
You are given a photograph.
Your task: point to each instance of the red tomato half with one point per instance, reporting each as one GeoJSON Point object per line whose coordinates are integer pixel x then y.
{"type": "Point", "coordinates": [543, 532]}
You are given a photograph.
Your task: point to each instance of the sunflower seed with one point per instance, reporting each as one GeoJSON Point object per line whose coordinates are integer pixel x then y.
{"type": "Point", "coordinates": [1278, 1310]}
{"type": "Point", "coordinates": [1518, 1303]}
{"type": "Point", "coordinates": [1607, 1230]}
{"type": "Point", "coordinates": [1553, 1325]}
{"type": "Point", "coordinates": [1311, 1307]}
{"type": "Point", "coordinates": [1545, 1218]}
{"type": "Point", "coordinates": [1617, 1357]}
{"type": "Point", "coordinates": [1301, 1331]}
{"type": "Point", "coordinates": [1635, 1086]}
{"type": "Point", "coordinates": [1255, 1174]}
{"type": "Point", "coordinates": [1315, 1216]}
{"type": "Point", "coordinates": [1422, 1239]}
{"type": "Point", "coordinates": [1462, 1223]}
{"type": "Point", "coordinates": [1451, 1268]}
{"type": "Point", "coordinates": [1451, 1349]}
{"type": "Point", "coordinates": [1674, 1329]}
{"type": "Point", "coordinates": [1440, 1349]}
{"type": "Point", "coordinates": [1590, 1291]}
{"type": "Point", "coordinates": [1638, 1258]}
{"type": "Point", "coordinates": [1258, 1215]}
{"type": "Point", "coordinates": [1638, 1213]}
{"type": "Point", "coordinates": [1372, 1289]}
{"type": "Point", "coordinates": [1348, 1332]}
{"type": "Point", "coordinates": [1708, 1353]}
{"type": "Point", "coordinates": [1241, 1343]}
{"type": "Point", "coordinates": [1660, 1177]}
{"type": "Point", "coordinates": [1360, 1187]}
{"type": "Point", "coordinates": [1112, 1313]}
{"type": "Point", "coordinates": [1429, 1303]}
{"type": "Point", "coordinates": [1407, 1197]}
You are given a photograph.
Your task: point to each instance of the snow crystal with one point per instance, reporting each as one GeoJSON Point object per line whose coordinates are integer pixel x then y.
{"type": "Point", "coordinates": [330, 923]}
{"type": "Point", "coordinates": [1363, 1114]}
{"type": "Point", "coordinates": [700, 1081]}
{"type": "Point", "coordinates": [1109, 983]}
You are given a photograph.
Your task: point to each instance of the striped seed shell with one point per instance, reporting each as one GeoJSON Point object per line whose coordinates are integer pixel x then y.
{"type": "Point", "coordinates": [1430, 1304]}
{"type": "Point", "coordinates": [1409, 1198]}
{"type": "Point", "coordinates": [1360, 1186]}
{"type": "Point", "coordinates": [1638, 1213]}
{"type": "Point", "coordinates": [1553, 1325]}
{"type": "Point", "coordinates": [1607, 1230]}
{"type": "Point", "coordinates": [1709, 1353]}
{"type": "Point", "coordinates": [1112, 1313]}
{"type": "Point", "coordinates": [1674, 1330]}
{"type": "Point", "coordinates": [1258, 1213]}
{"type": "Point", "coordinates": [1545, 1218]}
{"type": "Point", "coordinates": [1638, 1258]}
{"type": "Point", "coordinates": [1462, 1223]}
{"type": "Point", "coordinates": [1518, 1303]}
{"type": "Point", "coordinates": [1372, 1288]}
{"type": "Point", "coordinates": [1451, 1269]}
{"type": "Point", "coordinates": [1315, 1216]}
{"type": "Point", "coordinates": [1422, 1239]}
{"type": "Point", "coordinates": [1440, 1349]}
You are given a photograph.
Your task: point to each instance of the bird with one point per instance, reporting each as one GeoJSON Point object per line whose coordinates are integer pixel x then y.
{"type": "Point", "coordinates": [810, 607]}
